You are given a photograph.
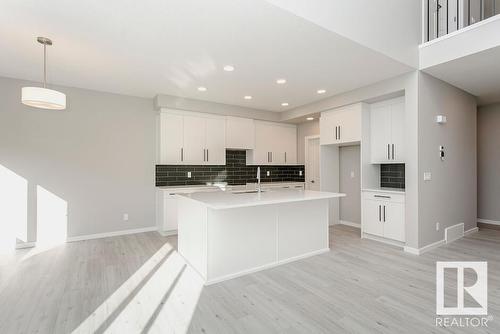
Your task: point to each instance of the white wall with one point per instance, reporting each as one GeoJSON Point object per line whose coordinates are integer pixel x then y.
{"type": "Point", "coordinates": [98, 156]}
{"type": "Point", "coordinates": [450, 197]}
{"type": "Point", "coordinates": [303, 130]}
{"type": "Point", "coordinates": [488, 162]}
{"type": "Point", "coordinates": [181, 103]}
{"type": "Point", "coordinates": [350, 161]}
{"type": "Point", "coordinates": [392, 27]}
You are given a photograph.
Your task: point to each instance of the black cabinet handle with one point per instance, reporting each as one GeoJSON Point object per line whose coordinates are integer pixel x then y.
{"type": "Point", "coordinates": [336, 134]}
{"type": "Point", "coordinates": [384, 213]}
{"type": "Point", "coordinates": [392, 151]}
{"type": "Point", "coordinates": [339, 133]}
{"type": "Point", "coordinates": [182, 154]}
{"type": "Point", "coordinates": [379, 214]}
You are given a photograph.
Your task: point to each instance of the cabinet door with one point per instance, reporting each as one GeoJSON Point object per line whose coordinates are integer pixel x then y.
{"type": "Point", "coordinates": [328, 128]}
{"type": "Point", "coordinates": [279, 144]}
{"type": "Point", "coordinates": [215, 141]}
{"type": "Point", "coordinates": [380, 134]}
{"type": "Point", "coordinates": [394, 226]}
{"type": "Point", "coordinates": [169, 212]}
{"type": "Point", "coordinates": [372, 217]}
{"type": "Point", "coordinates": [290, 145]}
{"type": "Point", "coordinates": [397, 132]}
{"type": "Point", "coordinates": [264, 137]}
{"type": "Point", "coordinates": [194, 140]}
{"type": "Point", "coordinates": [349, 125]}
{"type": "Point", "coordinates": [240, 133]}
{"type": "Point", "coordinates": [171, 138]}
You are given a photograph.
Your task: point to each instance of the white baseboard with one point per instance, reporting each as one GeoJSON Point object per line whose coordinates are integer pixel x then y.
{"type": "Point", "coordinates": [472, 230]}
{"type": "Point", "coordinates": [167, 233]}
{"type": "Point", "coordinates": [487, 221]}
{"type": "Point", "coordinates": [382, 239]}
{"type": "Point", "coordinates": [22, 245]}
{"type": "Point", "coordinates": [348, 223]}
{"type": "Point", "coordinates": [111, 234]}
{"type": "Point", "coordinates": [422, 250]}
{"type": "Point", "coordinates": [266, 266]}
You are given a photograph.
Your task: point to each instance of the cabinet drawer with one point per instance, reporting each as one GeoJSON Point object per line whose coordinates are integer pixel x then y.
{"type": "Point", "coordinates": [382, 196]}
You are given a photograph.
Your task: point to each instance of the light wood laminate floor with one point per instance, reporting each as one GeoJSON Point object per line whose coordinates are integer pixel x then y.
{"type": "Point", "coordinates": [139, 284]}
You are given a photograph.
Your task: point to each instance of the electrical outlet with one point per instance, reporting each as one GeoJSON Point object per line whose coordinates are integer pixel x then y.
{"type": "Point", "coordinates": [352, 174]}
{"type": "Point", "coordinates": [300, 173]}
{"type": "Point", "coordinates": [427, 176]}
{"type": "Point", "coordinates": [437, 226]}
{"type": "Point", "coordinates": [268, 173]}
{"type": "Point", "coordinates": [189, 175]}
{"type": "Point", "coordinates": [125, 217]}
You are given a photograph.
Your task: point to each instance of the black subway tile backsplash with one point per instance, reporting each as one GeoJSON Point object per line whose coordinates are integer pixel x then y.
{"type": "Point", "coordinates": [235, 172]}
{"type": "Point", "coordinates": [392, 176]}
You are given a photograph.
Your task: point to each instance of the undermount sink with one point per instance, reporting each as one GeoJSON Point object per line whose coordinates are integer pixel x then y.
{"type": "Point", "coordinates": [247, 192]}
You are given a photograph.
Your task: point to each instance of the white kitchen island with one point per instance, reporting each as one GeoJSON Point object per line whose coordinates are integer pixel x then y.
{"type": "Point", "coordinates": [223, 235]}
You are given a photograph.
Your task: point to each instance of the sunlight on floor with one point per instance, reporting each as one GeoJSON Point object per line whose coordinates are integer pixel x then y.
{"type": "Point", "coordinates": [13, 209]}
{"type": "Point", "coordinates": [160, 297]}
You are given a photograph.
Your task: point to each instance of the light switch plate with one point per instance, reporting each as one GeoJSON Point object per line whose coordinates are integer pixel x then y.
{"type": "Point", "coordinates": [268, 173]}
{"type": "Point", "coordinates": [189, 175]}
{"type": "Point", "coordinates": [300, 173]}
{"type": "Point", "coordinates": [352, 174]}
{"type": "Point", "coordinates": [427, 176]}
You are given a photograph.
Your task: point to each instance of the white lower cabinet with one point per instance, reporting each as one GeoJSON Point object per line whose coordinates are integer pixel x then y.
{"type": "Point", "coordinates": [383, 215]}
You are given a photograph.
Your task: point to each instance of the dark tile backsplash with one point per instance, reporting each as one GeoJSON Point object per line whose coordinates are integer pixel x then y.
{"type": "Point", "coordinates": [392, 175]}
{"type": "Point", "coordinates": [235, 172]}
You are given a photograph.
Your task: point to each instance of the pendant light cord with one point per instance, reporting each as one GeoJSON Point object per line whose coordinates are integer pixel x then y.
{"type": "Point", "coordinates": [44, 65]}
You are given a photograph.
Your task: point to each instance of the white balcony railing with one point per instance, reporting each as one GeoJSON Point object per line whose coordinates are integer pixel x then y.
{"type": "Point", "coordinates": [442, 17]}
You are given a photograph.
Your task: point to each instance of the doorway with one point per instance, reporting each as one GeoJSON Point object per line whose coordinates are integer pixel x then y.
{"type": "Point", "coordinates": [312, 163]}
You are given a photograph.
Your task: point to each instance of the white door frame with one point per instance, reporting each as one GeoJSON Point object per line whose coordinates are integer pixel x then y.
{"type": "Point", "coordinates": [306, 155]}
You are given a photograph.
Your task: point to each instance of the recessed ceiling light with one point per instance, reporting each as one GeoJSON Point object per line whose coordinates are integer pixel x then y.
{"type": "Point", "coordinates": [280, 81]}
{"type": "Point", "coordinates": [202, 89]}
{"type": "Point", "coordinates": [321, 91]}
{"type": "Point", "coordinates": [310, 118]}
{"type": "Point", "coordinates": [247, 97]}
{"type": "Point", "coordinates": [285, 104]}
{"type": "Point", "coordinates": [228, 68]}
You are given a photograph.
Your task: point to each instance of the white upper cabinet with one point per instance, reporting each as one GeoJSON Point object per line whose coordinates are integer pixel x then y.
{"type": "Point", "coordinates": [215, 143]}
{"type": "Point", "coordinates": [275, 144]}
{"type": "Point", "coordinates": [387, 123]}
{"type": "Point", "coordinates": [192, 139]}
{"type": "Point", "coordinates": [341, 126]}
{"type": "Point", "coordinates": [171, 139]}
{"type": "Point", "coordinates": [240, 133]}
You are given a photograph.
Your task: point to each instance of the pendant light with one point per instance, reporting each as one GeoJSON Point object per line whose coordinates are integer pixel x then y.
{"type": "Point", "coordinates": [42, 97]}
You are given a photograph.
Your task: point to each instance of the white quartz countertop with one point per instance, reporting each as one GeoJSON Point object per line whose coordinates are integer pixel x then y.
{"type": "Point", "coordinates": [224, 187]}
{"type": "Point", "coordinates": [229, 200]}
{"type": "Point", "coordinates": [384, 190]}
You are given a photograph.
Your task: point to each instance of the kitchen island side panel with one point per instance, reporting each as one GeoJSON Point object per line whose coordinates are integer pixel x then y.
{"type": "Point", "coordinates": [192, 234]}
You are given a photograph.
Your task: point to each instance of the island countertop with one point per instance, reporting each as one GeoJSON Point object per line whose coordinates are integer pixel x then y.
{"type": "Point", "coordinates": [238, 199]}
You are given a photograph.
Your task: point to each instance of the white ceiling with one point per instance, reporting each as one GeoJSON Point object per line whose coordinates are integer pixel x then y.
{"type": "Point", "coordinates": [478, 74]}
{"type": "Point", "coordinates": [150, 47]}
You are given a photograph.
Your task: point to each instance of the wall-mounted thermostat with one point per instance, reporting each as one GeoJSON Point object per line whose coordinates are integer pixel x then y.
{"type": "Point", "coordinates": [440, 119]}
